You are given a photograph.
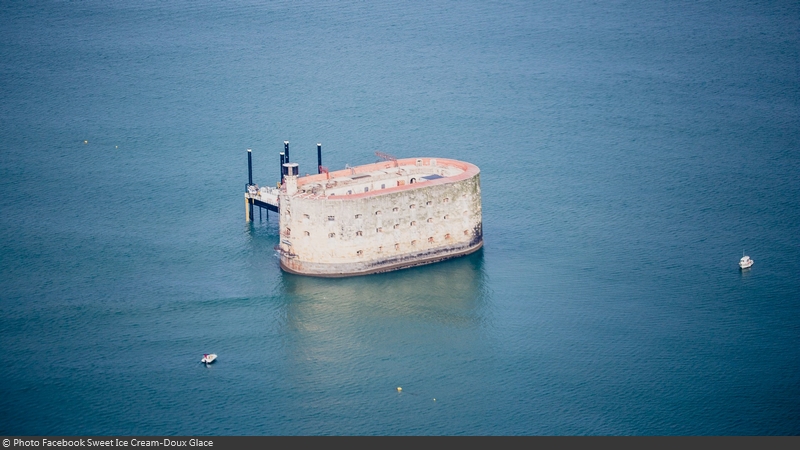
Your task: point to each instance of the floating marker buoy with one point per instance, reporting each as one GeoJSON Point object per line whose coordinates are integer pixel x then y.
{"type": "Point", "coordinates": [399, 389]}
{"type": "Point", "coordinates": [85, 142]}
{"type": "Point", "coordinates": [434, 399]}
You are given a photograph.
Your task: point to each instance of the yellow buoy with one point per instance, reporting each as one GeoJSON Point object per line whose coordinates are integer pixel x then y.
{"type": "Point", "coordinates": [399, 389]}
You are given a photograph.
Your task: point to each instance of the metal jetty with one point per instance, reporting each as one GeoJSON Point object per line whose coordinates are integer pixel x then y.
{"type": "Point", "coordinates": [268, 197]}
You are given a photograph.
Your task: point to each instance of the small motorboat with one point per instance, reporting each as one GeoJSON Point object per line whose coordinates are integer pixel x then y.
{"type": "Point", "coordinates": [745, 262]}
{"type": "Point", "coordinates": [208, 358]}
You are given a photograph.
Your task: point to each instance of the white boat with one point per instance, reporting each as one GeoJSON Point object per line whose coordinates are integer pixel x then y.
{"type": "Point", "coordinates": [208, 358]}
{"type": "Point", "coordinates": [745, 262]}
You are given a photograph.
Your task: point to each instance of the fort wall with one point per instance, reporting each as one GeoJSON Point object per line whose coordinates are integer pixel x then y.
{"type": "Point", "coordinates": [374, 229]}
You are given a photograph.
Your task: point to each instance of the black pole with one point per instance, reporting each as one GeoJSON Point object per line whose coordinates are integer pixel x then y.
{"type": "Point", "coordinates": [250, 180]}
{"type": "Point", "coordinates": [249, 167]}
{"type": "Point", "coordinates": [286, 149]}
{"type": "Point", "coordinates": [283, 160]}
{"type": "Point", "coordinates": [319, 158]}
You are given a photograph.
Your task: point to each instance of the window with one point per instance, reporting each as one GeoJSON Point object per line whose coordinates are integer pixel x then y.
{"type": "Point", "coordinates": [445, 200]}
{"type": "Point", "coordinates": [466, 232]}
{"type": "Point", "coordinates": [430, 219]}
{"type": "Point", "coordinates": [394, 209]}
{"type": "Point", "coordinates": [413, 223]}
{"type": "Point", "coordinates": [380, 249]}
{"type": "Point", "coordinates": [377, 213]}
{"type": "Point", "coordinates": [358, 216]}
{"type": "Point", "coordinates": [447, 236]}
{"type": "Point", "coordinates": [413, 242]}
{"type": "Point", "coordinates": [359, 233]}
{"type": "Point", "coordinates": [306, 233]}
{"type": "Point", "coordinates": [360, 252]}
{"type": "Point", "coordinates": [331, 235]}
{"type": "Point", "coordinates": [428, 203]}
{"type": "Point", "coordinates": [396, 226]}
{"type": "Point", "coordinates": [366, 189]}
{"type": "Point", "coordinates": [349, 192]}
{"type": "Point", "coordinates": [397, 246]}
{"type": "Point", "coordinates": [447, 216]}
{"type": "Point", "coordinates": [412, 206]}
{"type": "Point", "coordinates": [383, 186]}
{"type": "Point", "coordinates": [430, 239]}
{"type": "Point", "coordinates": [413, 180]}
{"type": "Point", "coordinates": [379, 230]}
{"type": "Point", "coordinates": [306, 216]}
{"type": "Point", "coordinates": [331, 218]}
{"type": "Point", "coordinates": [288, 232]}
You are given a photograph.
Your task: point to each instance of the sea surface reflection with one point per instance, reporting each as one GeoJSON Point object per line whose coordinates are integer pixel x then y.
{"type": "Point", "coordinates": [452, 292]}
{"type": "Point", "coordinates": [355, 340]}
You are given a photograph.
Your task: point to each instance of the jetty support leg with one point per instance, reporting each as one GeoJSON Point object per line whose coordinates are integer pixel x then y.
{"type": "Point", "coordinates": [247, 208]}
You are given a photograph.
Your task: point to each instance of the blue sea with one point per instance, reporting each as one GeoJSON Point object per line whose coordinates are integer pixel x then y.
{"type": "Point", "coordinates": [630, 152]}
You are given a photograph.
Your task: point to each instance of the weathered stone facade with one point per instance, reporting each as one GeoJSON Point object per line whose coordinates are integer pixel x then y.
{"type": "Point", "coordinates": [380, 217]}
